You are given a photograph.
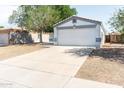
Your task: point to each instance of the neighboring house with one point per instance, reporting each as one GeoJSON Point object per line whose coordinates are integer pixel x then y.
{"type": "Point", "coordinates": [78, 31]}
{"type": "Point", "coordinates": [6, 36]}
{"type": "Point", "coordinates": [35, 35]}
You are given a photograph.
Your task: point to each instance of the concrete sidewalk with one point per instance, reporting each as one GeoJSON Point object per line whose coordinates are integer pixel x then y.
{"type": "Point", "coordinates": [49, 67]}
{"type": "Point", "coordinates": [83, 83]}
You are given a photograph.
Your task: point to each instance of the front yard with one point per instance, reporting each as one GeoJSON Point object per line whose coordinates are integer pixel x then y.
{"type": "Point", "coordinates": [104, 65]}
{"type": "Point", "coordinates": [16, 50]}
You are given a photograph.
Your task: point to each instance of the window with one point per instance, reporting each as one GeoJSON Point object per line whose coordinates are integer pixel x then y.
{"type": "Point", "coordinates": [74, 21]}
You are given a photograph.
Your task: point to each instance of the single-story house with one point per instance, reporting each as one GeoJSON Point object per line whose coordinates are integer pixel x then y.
{"type": "Point", "coordinates": [5, 35]}
{"type": "Point", "coordinates": [79, 31]}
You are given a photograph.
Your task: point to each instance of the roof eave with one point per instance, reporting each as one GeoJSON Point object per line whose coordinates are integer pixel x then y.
{"type": "Point", "coordinates": [95, 21]}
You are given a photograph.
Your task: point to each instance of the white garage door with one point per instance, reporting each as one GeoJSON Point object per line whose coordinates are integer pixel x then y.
{"type": "Point", "coordinates": [3, 39]}
{"type": "Point", "coordinates": [83, 36]}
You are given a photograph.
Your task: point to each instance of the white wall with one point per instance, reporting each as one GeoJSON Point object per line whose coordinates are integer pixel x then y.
{"type": "Point", "coordinates": [55, 35]}
{"type": "Point", "coordinates": [36, 37]}
{"type": "Point", "coordinates": [98, 35]}
{"type": "Point", "coordinates": [102, 34]}
{"type": "Point", "coordinates": [46, 37]}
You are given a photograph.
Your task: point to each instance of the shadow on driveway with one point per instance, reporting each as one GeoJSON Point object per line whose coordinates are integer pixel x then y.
{"type": "Point", "coordinates": [113, 54]}
{"type": "Point", "coordinates": [79, 52]}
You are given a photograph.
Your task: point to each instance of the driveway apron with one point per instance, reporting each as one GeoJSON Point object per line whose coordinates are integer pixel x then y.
{"type": "Point", "coordinates": [53, 66]}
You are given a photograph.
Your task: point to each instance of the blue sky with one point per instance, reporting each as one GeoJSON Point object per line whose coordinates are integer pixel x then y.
{"type": "Point", "coordinates": [101, 12]}
{"type": "Point", "coordinates": [97, 12]}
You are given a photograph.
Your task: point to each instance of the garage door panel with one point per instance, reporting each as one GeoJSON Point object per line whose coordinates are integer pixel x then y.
{"type": "Point", "coordinates": [84, 36]}
{"type": "Point", "coordinates": [3, 38]}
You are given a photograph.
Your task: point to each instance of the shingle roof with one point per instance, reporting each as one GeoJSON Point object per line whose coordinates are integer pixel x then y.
{"type": "Point", "coordinates": [81, 18]}
{"type": "Point", "coordinates": [3, 30]}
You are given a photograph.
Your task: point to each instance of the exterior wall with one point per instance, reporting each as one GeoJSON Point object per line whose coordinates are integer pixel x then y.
{"type": "Point", "coordinates": [46, 37]}
{"type": "Point", "coordinates": [102, 34]}
{"type": "Point", "coordinates": [4, 38]}
{"type": "Point", "coordinates": [36, 37]}
{"type": "Point", "coordinates": [55, 36]}
{"type": "Point", "coordinates": [98, 35]}
{"type": "Point", "coordinates": [97, 32]}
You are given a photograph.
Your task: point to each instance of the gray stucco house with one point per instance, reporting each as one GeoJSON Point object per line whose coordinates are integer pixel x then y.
{"type": "Point", "coordinates": [79, 31]}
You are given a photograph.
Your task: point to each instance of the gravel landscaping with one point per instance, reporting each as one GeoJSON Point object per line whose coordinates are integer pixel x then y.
{"type": "Point", "coordinates": [104, 65]}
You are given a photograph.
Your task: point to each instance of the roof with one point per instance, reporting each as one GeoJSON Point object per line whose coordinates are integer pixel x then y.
{"type": "Point", "coordinates": [3, 30]}
{"type": "Point", "coordinates": [7, 30]}
{"type": "Point", "coordinates": [81, 18]}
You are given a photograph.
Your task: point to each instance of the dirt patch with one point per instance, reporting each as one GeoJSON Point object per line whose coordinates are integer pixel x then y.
{"type": "Point", "coordinates": [104, 65]}
{"type": "Point", "coordinates": [16, 50]}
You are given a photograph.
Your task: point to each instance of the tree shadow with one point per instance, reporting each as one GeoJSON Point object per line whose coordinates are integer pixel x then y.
{"type": "Point", "coordinates": [112, 54]}
{"type": "Point", "coordinates": [79, 51]}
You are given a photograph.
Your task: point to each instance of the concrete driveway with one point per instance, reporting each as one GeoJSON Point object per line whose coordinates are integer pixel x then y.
{"type": "Point", "coordinates": [48, 67]}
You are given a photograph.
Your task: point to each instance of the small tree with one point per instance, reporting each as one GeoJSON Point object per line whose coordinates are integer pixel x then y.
{"type": "Point", "coordinates": [34, 18]}
{"type": "Point", "coordinates": [40, 18]}
{"type": "Point", "coordinates": [117, 21]}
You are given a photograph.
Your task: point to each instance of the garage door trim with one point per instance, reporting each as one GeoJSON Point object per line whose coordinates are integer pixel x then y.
{"type": "Point", "coordinates": [60, 40]}
{"type": "Point", "coordinates": [77, 27]}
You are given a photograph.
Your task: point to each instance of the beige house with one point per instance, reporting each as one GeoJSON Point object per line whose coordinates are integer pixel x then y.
{"type": "Point", "coordinates": [5, 35]}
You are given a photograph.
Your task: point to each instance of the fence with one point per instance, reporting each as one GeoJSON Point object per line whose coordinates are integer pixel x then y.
{"type": "Point", "coordinates": [114, 39]}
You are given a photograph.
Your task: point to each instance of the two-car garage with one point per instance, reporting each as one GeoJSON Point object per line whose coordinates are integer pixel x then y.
{"type": "Point", "coordinates": [84, 36]}
{"type": "Point", "coordinates": [78, 31]}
